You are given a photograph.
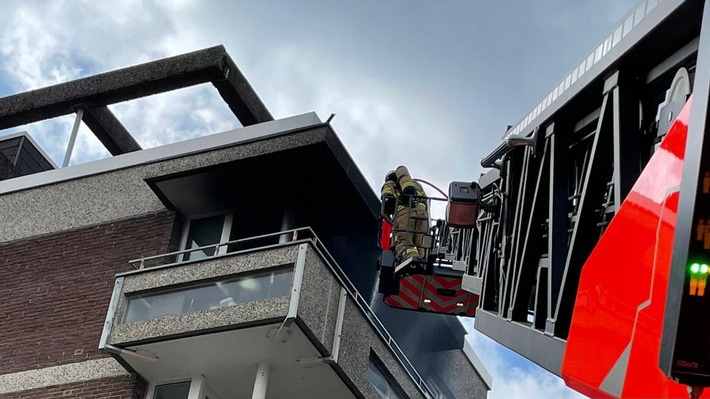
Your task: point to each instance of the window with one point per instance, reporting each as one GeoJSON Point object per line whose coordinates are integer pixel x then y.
{"type": "Point", "coordinates": [242, 289]}
{"type": "Point", "coordinates": [382, 380]}
{"type": "Point", "coordinates": [178, 390]}
{"type": "Point", "coordinates": [206, 231]}
{"type": "Point", "coordinates": [210, 230]}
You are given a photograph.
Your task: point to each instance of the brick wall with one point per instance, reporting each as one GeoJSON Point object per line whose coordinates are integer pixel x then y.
{"type": "Point", "coordinates": [127, 387]}
{"type": "Point", "coordinates": [55, 289]}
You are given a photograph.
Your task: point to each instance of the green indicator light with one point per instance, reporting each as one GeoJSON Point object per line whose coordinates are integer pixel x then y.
{"type": "Point", "coordinates": [694, 268]}
{"type": "Point", "coordinates": [703, 268]}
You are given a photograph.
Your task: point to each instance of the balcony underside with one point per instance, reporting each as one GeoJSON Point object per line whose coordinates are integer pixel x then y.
{"type": "Point", "coordinates": [229, 360]}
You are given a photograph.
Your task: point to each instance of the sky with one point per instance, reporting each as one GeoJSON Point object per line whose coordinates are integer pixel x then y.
{"type": "Point", "coordinates": [428, 84]}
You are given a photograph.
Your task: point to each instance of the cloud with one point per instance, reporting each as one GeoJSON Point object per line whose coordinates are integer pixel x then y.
{"type": "Point", "coordinates": [513, 376]}
{"type": "Point", "coordinates": [44, 43]}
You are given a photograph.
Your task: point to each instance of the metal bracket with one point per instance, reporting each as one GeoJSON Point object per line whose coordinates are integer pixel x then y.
{"type": "Point", "coordinates": [137, 353]}
{"type": "Point", "coordinates": [295, 292]}
{"type": "Point", "coordinates": [111, 313]}
{"type": "Point", "coordinates": [530, 141]}
{"type": "Point", "coordinates": [339, 325]}
{"type": "Point", "coordinates": [472, 284]}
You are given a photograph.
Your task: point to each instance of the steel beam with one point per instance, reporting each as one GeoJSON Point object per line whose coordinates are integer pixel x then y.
{"type": "Point", "coordinates": [581, 242]}
{"type": "Point", "coordinates": [518, 217]}
{"type": "Point", "coordinates": [625, 93]}
{"type": "Point", "coordinates": [542, 294]}
{"type": "Point", "coordinates": [530, 252]}
{"type": "Point", "coordinates": [558, 207]}
{"type": "Point", "coordinates": [675, 61]}
{"type": "Point", "coordinates": [486, 254]}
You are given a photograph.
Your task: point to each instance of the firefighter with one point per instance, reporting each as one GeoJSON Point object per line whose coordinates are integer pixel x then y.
{"type": "Point", "coordinates": [412, 220]}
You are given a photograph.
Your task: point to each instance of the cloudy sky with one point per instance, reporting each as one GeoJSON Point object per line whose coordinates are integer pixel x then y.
{"type": "Point", "coordinates": [430, 84]}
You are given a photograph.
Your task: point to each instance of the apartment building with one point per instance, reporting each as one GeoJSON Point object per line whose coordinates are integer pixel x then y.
{"type": "Point", "coordinates": [235, 265]}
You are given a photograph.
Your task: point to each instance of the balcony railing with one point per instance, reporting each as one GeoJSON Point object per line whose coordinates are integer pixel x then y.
{"type": "Point", "coordinates": [284, 238]}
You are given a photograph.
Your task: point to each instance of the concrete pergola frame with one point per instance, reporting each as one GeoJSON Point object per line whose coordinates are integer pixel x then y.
{"type": "Point", "coordinates": [94, 93]}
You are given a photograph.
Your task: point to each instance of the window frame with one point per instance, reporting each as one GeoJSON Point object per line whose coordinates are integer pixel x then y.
{"type": "Point", "coordinates": [152, 387]}
{"type": "Point", "coordinates": [224, 238]}
{"type": "Point", "coordinates": [199, 388]}
{"type": "Point", "coordinates": [375, 362]}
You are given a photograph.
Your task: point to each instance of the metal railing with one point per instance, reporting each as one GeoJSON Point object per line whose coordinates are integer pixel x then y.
{"type": "Point", "coordinates": [222, 249]}
{"type": "Point", "coordinates": [299, 235]}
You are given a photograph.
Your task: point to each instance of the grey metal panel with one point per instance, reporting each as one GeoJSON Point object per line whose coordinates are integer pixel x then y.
{"type": "Point", "coordinates": [27, 139]}
{"type": "Point", "coordinates": [10, 147]}
{"type": "Point", "coordinates": [544, 350]}
{"type": "Point", "coordinates": [7, 169]}
{"type": "Point", "coordinates": [35, 157]}
{"type": "Point", "coordinates": [489, 178]}
{"type": "Point", "coordinates": [29, 160]}
{"type": "Point", "coordinates": [174, 150]}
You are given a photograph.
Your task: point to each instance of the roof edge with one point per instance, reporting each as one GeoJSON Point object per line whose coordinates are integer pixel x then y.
{"type": "Point", "coordinates": [210, 142]}
{"type": "Point", "coordinates": [477, 364]}
{"type": "Point", "coordinates": [28, 136]}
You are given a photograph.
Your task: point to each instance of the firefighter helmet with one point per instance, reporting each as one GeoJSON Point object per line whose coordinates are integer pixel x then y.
{"type": "Point", "coordinates": [391, 176]}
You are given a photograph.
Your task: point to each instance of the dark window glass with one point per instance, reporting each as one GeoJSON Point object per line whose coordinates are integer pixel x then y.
{"type": "Point", "coordinates": [381, 380]}
{"type": "Point", "coordinates": [204, 231]}
{"type": "Point", "coordinates": [257, 219]}
{"type": "Point", "coordinates": [178, 390]}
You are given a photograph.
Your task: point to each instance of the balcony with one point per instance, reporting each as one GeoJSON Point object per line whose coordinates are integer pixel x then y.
{"type": "Point", "coordinates": [282, 317]}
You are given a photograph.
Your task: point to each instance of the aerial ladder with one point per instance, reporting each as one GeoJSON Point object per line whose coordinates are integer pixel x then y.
{"type": "Point", "coordinates": [589, 253]}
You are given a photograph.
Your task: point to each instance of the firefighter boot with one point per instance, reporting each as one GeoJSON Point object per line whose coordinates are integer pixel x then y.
{"type": "Point", "coordinates": [410, 252]}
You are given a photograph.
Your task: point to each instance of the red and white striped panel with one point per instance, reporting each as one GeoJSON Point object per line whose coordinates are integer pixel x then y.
{"type": "Point", "coordinates": [436, 294]}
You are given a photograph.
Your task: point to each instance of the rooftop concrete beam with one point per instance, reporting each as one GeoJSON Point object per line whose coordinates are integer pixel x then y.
{"type": "Point", "coordinates": [109, 130]}
{"type": "Point", "coordinates": [240, 96]}
{"type": "Point", "coordinates": [208, 65]}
